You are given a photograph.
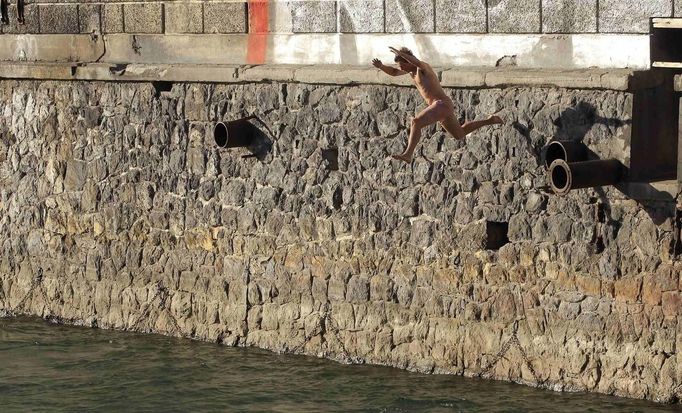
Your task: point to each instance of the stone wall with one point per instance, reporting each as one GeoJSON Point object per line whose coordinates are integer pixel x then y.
{"type": "Point", "coordinates": [349, 16]}
{"type": "Point", "coordinates": [117, 211]}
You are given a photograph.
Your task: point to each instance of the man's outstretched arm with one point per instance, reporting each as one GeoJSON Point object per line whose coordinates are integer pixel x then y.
{"type": "Point", "coordinates": [411, 59]}
{"type": "Point", "coordinates": [389, 70]}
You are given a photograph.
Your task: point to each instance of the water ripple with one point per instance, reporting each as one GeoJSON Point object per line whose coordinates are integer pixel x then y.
{"type": "Point", "coordinates": [47, 367]}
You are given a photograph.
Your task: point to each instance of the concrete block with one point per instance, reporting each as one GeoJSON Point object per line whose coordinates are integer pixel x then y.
{"type": "Point", "coordinates": [582, 79]}
{"type": "Point", "coordinates": [225, 17]}
{"type": "Point", "coordinates": [304, 16]}
{"type": "Point", "coordinates": [361, 16]}
{"type": "Point", "coordinates": [184, 18]}
{"type": "Point", "coordinates": [569, 16]}
{"type": "Point", "coordinates": [514, 16]}
{"type": "Point", "coordinates": [89, 18]}
{"type": "Point", "coordinates": [278, 73]}
{"type": "Point", "coordinates": [405, 16]}
{"type": "Point", "coordinates": [143, 17]}
{"type": "Point", "coordinates": [30, 25]}
{"type": "Point", "coordinates": [347, 75]}
{"type": "Point", "coordinates": [631, 16]}
{"type": "Point", "coordinates": [112, 18]}
{"type": "Point", "coordinates": [58, 18]}
{"type": "Point", "coordinates": [460, 16]}
{"type": "Point", "coordinates": [678, 8]}
{"type": "Point", "coordinates": [678, 83]}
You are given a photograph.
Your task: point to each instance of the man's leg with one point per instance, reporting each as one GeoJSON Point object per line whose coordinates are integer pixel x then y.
{"type": "Point", "coordinates": [451, 124]}
{"type": "Point", "coordinates": [432, 114]}
{"type": "Point", "coordinates": [469, 127]}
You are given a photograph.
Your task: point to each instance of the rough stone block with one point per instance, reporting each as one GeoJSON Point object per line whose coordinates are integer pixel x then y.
{"type": "Point", "coordinates": [672, 303]}
{"type": "Point", "coordinates": [143, 17]}
{"type": "Point", "coordinates": [361, 16]}
{"type": "Point", "coordinates": [58, 18]}
{"type": "Point", "coordinates": [631, 16]}
{"type": "Point", "coordinates": [514, 16]}
{"type": "Point", "coordinates": [30, 25]}
{"type": "Point", "coordinates": [569, 16]}
{"type": "Point", "coordinates": [112, 18]}
{"type": "Point", "coordinates": [404, 16]}
{"type": "Point", "coordinates": [88, 18]}
{"type": "Point", "coordinates": [303, 17]}
{"type": "Point", "coordinates": [225, 17]}
{"type": "Point", "coordinates": [460, 16]}
{"type": "Point", "coordinates": [678, 8]}
{"type": "Point", "coordinates": [628, 289]}
{"type": "Point", "coordinates": [184, 18]}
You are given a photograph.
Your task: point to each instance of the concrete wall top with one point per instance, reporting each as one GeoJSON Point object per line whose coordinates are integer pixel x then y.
{"type": "Point", "coordinates": [342, 16]}
{"type": "Point", "coordinates": [615, 79]}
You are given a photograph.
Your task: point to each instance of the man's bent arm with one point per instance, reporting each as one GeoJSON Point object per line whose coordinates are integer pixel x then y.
{"type": "Point", "coordinates": [411, 59]}
{"type": "Point", "coordinates": [392, 71]}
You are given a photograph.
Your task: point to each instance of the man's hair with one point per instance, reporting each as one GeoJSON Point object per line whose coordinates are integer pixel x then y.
{"type": "Point", "coordinates": [399, 58]}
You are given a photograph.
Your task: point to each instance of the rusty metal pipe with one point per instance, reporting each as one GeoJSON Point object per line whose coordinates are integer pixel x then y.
{"type": "Point", "coordinates": [564, 176]}
{"type": "Point", "coordinates": [235, 133]}
{"type": "Point", "coordinates": [567, 151]}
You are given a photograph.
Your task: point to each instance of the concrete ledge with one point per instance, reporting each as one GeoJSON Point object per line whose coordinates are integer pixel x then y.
{"type": "Point", "coordinates": [617, 79]}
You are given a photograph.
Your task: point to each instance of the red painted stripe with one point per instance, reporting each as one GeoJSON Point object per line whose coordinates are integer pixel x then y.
{"type": "Point", "coordinates": [259, 16]}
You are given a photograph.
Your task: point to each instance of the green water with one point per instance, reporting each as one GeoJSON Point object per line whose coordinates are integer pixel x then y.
{"type": "Point", "coordinates": [48, 367]}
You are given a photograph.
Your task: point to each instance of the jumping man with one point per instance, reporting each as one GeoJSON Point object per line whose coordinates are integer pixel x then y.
{"type": "Point", "coordinates": [441, 108]}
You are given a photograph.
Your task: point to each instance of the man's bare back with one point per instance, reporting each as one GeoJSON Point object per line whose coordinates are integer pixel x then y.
{"type": "Point", "coordinates": [441, 108]}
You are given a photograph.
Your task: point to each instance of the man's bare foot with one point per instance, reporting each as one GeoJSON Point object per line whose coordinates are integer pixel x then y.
{"type": "Point", "coordinates": [495, 120]}
{"type": "Point", "coordinates": [403, 157]}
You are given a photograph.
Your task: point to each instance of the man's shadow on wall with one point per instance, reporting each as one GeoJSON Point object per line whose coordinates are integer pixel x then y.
{"type": "Point", "coordinates": [574, 124]}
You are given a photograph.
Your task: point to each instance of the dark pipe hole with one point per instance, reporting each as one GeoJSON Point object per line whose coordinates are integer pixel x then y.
{"type": "Point", "coordinates": [554, 151]}
{"type": "Point", "coordinates": [161, 86]}
{"type": "Point", "coordinates": [559, 177]}
{"type": "Point", "coordinates": [220, 134]}
{"type": "Point", "coordinates": [337, 198]}
{"type": "Point", "coordinates": [496, 235]}
{"type": "Point", "coordinates": [599, 246]}
{"type": "Point", "coordinates": [331, 155]}
{"type": "Point", "coordinates": [601, 213]}
{"type": "Point", "coordinates": [20, 12]}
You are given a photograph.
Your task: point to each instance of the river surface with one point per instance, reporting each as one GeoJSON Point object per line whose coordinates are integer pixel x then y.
{"type": "Point", "coordinates": [49, 367]}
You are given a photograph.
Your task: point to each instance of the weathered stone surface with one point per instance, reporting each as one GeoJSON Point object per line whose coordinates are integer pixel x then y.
{"type": "Point", "coordinates": [631, 16]}
{"type": "Point", "coordinates": [184, 17]}
{"type": "Point", "coordinates": [89, 18]}
{"type": "Point", "coordinates": [678, 8]}
{"type": "Point", "coordinates": [112, 18]}
{"type": "Point", "coordinates": [361, 16]}
{"type": "Point", "coordinates": [143, 17]}
{"type": "Point", "coordinates": [569, 16]}
{"type": "Point", "coordinates": [405, 16]}
{"type": "Point", "coordinates": [116, 202]}
{"type": "Point", "coordinates": [306, 16]}
{"type": "Point", "coordinates": [31, 22]}
{"type": "Point", "coordinates": [461, 16]}
{"type": "Point", "coordinates": [225, 17]}
{"type": "Point", "coordinates": [58, 18]}
{"type": "Point", "coordinates": [514, 16]}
